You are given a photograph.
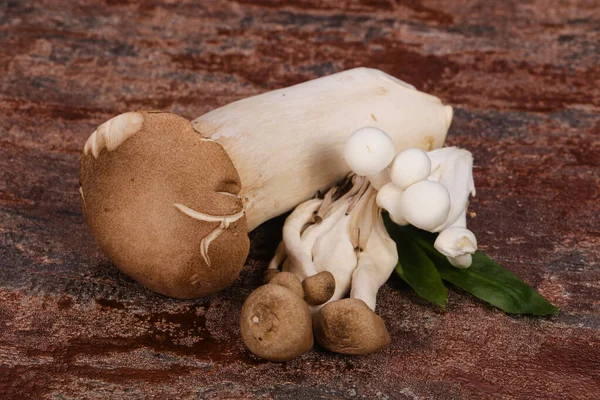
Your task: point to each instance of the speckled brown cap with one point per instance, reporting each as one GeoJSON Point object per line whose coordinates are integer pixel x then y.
{"type": "Point", "coordinates": [349, 326]}
{"type": "Point", "coordinates": [162, 203]}
{"type": "Point", "coordinates": [319, 288]}
{"type": "Point", "coordinates": [276, 323]}
{"type": "Point", "coordinates": [290, 281]}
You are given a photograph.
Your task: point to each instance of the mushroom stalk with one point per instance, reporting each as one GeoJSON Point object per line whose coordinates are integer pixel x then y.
{"type": "Point", "coordinates": [288, 144]}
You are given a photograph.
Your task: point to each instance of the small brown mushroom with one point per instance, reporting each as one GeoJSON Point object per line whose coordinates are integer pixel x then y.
{"type": "Point", "coordinates": [269, 274]}
{"type": "Point", "coordinates": [162, 202]}
{"type": "Point", "coordinates": [349, 326]}
{"type": "Point", "coordinates": [319, 288]}
{"type": "Point", "coordinates": [290, 281]}
{"type": "Point", "coordinates": [276, 324]}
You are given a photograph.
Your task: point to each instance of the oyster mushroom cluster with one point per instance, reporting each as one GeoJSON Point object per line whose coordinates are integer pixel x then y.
{"type": "Point", "coordinates": [341, 235]}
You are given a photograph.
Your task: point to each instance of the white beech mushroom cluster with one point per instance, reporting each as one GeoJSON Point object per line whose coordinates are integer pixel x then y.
{"type": "Point", "coordinates": [343, 232]}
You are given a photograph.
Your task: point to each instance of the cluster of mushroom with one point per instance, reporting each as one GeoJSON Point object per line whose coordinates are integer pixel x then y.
{"type": "Point", "coordinates": [341, 235]}
{"type": "Point", "coordinates": [431, 192]}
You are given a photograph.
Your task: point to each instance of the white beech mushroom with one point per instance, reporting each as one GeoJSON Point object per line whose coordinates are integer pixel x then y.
{"type": "Point", "coordinates": [449, 167]}
{"type": "Point", "coordinates": [453, 168]}
{"type": "Point", "coordinates": [425, 204]}
{"type": "Point", "coordinates": [171, 205]}
{"type": "Point", "coordinates": [388, 198]}
{"type": "Point", "coordinates": [457, 244]}
{"type": "Point", "coordinates": [368, 152]}
{"type": "Point", "coordinates": [429, 198]}
{"type": "Point", "coordinates": [410, 166]}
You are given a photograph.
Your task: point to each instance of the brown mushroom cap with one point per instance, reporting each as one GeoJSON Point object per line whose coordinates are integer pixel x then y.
{"type": "Point", "coordinates": [349, 326]}
{"type": "Point", "coordinates": [269, 274]}
{"type": "Point", "coordinates": [135, 169]}
{"type": "Point", "coordinates": [319, 288]}
{"type": "Point", "coordinates": [276, 324]}
{"type": "Point", "coordinates": [290, 281]}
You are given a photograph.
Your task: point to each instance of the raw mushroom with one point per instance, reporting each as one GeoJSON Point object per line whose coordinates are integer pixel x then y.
{"type": "Point", "coordinates": [269, 274]}
{"type": "Point", "coordinates": [388, 198]}
{"type": "Point", "coordinates": [349, 326]}
{"type": "Point", "coordinates": [425, 204]}
{"type": "Point", "coordinates": [164, 204]}
{"type": "Point", "coordinates": [453, 168]}
{"type": "Point", "coordinates": [287, 144]}
{"type": "Point", "coordinates": [376, 262]}
{"type": "Point", "coordinates": [318, 288]}
{"type": "Point", "coordinates": [409, 167]}
{"type": "Point", "coordinates": [170, 202]}
{"type": "Point", "coordinates": [276, 323]}
{"type": "Point", "coordinates": [457, 244]}
{"type": "Point", "coordinates": [368, 152]}
{"type": "Point", "coordinates": [290, 281]}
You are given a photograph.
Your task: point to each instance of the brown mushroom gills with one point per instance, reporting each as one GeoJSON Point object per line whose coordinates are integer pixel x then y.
{"type": "Point", "coordinates": [131, 186]}
{"type": "Point", "coordinates": [349, 326]}
{"type": "Point", "coordinates": [276, 324]}
{"type": "Point", "coordinates": [319, 288]}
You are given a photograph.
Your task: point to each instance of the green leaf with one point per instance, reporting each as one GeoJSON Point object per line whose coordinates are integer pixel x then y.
{"type": "Point", "coordinates": [486, 280]}
{"type": "Point", "coordinates": [416, 268]}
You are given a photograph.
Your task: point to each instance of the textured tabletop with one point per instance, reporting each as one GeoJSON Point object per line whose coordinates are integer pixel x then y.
{"type": "Point", "coordinates": [524, 78]}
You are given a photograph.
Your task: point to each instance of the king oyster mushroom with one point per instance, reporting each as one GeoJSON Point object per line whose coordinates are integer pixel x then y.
{"type": "Point", "coordinates": [170, 202]}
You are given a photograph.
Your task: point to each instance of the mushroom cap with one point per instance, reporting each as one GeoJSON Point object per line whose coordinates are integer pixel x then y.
{"type": "Point", "coordinates": [425, 204]}
{"type": "Point", "coordinates": [410, 166]}
{"type": "Point", "coordinates": [456, 241]}
{"type": "Point", "coordinates": [388, 198]}
{"type": "Point", "coordinates": [349, 326]}
{"type": "Point", "coordinates": [368, 151]}
{"type": "Point", "coordinates": [276, 324]}
{"type": "Point", "coordinates": [135, 170]}
{"type": "Point", "coordinates": [290, 281]}
{"type": "Point", "coordinates": [457, 244]}
{"type": "Point", "coordinates": [269, 274]}
{"type": "Point", "coordinates": [319, 288]}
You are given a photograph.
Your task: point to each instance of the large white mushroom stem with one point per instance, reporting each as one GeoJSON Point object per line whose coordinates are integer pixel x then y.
{"type": "Point", "coordinates": [288, 144]}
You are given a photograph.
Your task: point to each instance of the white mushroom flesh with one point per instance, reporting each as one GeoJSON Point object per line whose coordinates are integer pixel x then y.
{"type": "Point", "coordinates": [288, 144]}
{"type": "Point", "coordinates": [457, 244]}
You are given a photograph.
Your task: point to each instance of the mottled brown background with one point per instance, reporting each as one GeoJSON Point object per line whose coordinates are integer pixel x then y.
{"type": "Point", "coordinates": [524, 78]}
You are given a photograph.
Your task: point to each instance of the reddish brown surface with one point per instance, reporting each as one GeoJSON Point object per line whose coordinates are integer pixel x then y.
{"type": "Point", "coordinates": [524, 77]}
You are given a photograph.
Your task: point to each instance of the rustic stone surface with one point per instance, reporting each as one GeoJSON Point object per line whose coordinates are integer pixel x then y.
{"type": "Point", "coordinates": [524, 77]}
